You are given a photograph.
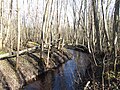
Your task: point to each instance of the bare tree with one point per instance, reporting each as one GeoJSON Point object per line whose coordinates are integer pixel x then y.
{"type": "Point", "coordinates": [74, 21]}
{"type": "Point", "coordinates": [1, 23]}
{"type": "Point", "coordinates": [115, 32]}
{"type": "Point", "coordinates": [43, 29]}
{"type": "Point", "coordinates": [105, 26]}
{"type": "Point", "coordinates": [58, 17]}
{"type": "Point", "coordinates": [18, 34]}
{"type": "Point", "coordinates": [49, 31]}
{"type": "Point", "coordinates": [96, 23]}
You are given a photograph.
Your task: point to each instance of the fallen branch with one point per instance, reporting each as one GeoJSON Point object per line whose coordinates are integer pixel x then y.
{"type": "Point", "coordinates": [87, 85]}
{"type": "Point", "coordinates": [12, 54]}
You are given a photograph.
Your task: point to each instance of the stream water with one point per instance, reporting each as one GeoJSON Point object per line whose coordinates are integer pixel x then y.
{"type": "Point", "coordinates": [67, 77]}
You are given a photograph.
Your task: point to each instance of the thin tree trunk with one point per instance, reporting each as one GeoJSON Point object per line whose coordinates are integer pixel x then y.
{"type": "Point", "coordinates": [9, 24]}
{"type": "Point", "coordinates": [96, 23]}
{"type": "Point", "coordinates": [1, 24]}
{"type": "Point", "coordinates": [115, 32]}
{"type": "Point", "coordinates": [74, 22]}
{"type": "Point", "coordinates": [49, 32]}
{"type": "Point", "coordinates": [57, 26]}
{"type": "Point", "coordinates": [43, 30]}
{"type": "Point", "coordinates": [18, 39]}
{"type": "Point", "coordinates": [105, 26]}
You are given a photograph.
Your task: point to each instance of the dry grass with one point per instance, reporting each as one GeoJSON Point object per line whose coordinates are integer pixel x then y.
{"type": "Point", "coordinates": [10, 75]}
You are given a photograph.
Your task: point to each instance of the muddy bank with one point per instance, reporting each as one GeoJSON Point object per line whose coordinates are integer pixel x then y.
{"type": "Point", "coordinates": [30, 66]}
{"type": "Point", "coordinates": [72, 75]}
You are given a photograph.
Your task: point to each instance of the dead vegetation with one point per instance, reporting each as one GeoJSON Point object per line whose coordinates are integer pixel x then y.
{"type": "Point", "coordinates": [55, 23]}
{"type": "Point", "coordinates": [30, 66]}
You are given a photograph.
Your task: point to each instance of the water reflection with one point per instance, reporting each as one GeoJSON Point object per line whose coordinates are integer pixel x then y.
{"type": "Point", "coordinates": [66, 77]}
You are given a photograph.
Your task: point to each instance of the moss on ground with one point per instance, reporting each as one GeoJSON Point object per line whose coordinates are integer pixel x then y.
{"type": "Point", "coordinates": [2, 52]}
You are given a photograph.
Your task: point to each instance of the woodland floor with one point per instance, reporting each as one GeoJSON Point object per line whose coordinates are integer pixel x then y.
{"type": "Point", "coordinates": [30, 66]}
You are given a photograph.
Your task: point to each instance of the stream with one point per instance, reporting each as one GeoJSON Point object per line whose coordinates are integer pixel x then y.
{"type": "Point", "coordinates": [67, 77]}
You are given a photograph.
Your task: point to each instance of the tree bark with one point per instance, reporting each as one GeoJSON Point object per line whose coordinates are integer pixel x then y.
{"type": "Point", "coordinates": [105, 26]}
{"type": "Point", "coordinates": [18, 34]}
{"type": "Point", "coordinates": [43, 30]}
{"type": "Point", "coordinates": [1, 25]}
{"type": "Point", "coordinates": [14, 53]}
{"type": "Point", "coordinates": [96, 23]}
{"type": "Point", "coordinates": [115, 32]}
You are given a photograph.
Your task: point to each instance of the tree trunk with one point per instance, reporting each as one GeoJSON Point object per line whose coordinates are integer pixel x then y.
{"type": "Point", "coordinates": [43, 30]}
{"type": "Point", "coordinates": [105, 26]}
{"type": "Point", "coordinates": [18, 36]}
{"type": "Point", "coordinates": [96, 23]}
{"type": "Point", "coordinates": [115, 32]}
{"type": "Point", "coordinates": [1, 24]}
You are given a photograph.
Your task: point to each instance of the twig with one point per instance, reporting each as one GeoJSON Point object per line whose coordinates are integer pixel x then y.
{"type": "Point", "coordinates": [87, 85]}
